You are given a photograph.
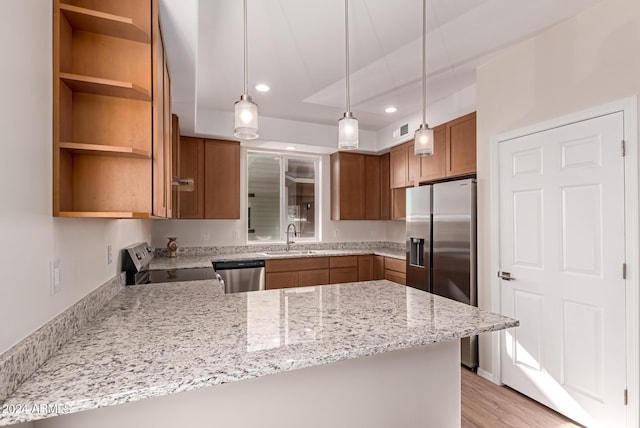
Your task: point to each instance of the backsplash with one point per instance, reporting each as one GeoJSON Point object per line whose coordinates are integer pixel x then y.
{"type": "Point", "coordinates": [234, 249]}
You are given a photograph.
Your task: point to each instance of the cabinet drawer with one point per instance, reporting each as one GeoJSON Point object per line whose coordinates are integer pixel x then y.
{"type": "Point", "coordinates": [343, 274]}
{"type": "Point", "coordinates": [397, 265]}
{"type": "Point", "coordinates": [394, 276]}
{"type": "Point", "coordinates": [296, 264]}
{"type": "Point", "coordinates": [281, 280]}
{"type": "Point", "coordinates": [343, 261]}
{"type": "Point", "coordinates": [313, 277]}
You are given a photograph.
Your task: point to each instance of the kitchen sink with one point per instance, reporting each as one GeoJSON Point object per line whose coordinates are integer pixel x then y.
{"type": "Point", "coordinates": [290, 252]}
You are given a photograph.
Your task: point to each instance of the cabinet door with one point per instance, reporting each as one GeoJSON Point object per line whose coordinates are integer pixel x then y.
{"type": "Point", "coordinates": [372, 187]}
{"type": "Point", "coordinates": [168, 152]}
{"type": "Point", "coordinates": [281, 280]}
{"type": "Point", "coordinates": [433, 167]}
{"type": "Point", "coordinates": [313, 277]}
{"type": "Point", "coordinates": [347, 186]}
{"type": "Point", "coordinates": [175, 170]}
{"type": "Point", "coordinates": [461, 146]}
{"type": "Point", "coordinates": [221, 179]}
{"type": "Point", "coordinates": [378, 267]}
{"type": "Point", "coordinates": [392, 275]}
{"type": "Point", "coordinates": [343, 274]}
{"type": "Point", "coordinates": [398, 204]}
{"type": "Point", "coordinates": [385, 188]}
{"type": "Point", "coordinates": [191, 165]}
{"type": "Point", "coordinates": [413, 165]}
{"type": "Point", "coordinates": [365, 268]}
{"type": "Point", "coordinates": [398, 165]}
{"type": "Point", "coordinates": [158, 165]}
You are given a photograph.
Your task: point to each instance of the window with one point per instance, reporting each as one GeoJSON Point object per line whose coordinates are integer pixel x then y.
{"type": "Point", "coordinates": [282, 190]}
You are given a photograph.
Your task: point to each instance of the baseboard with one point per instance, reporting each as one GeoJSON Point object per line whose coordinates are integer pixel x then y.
{"type": "Point", "coordinates": [488, 376]}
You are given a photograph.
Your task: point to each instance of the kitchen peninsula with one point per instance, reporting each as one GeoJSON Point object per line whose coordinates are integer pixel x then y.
{"type": "Point", "coordinates": [373, 354]}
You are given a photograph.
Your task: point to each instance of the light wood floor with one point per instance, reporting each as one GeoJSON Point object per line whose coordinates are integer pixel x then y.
{"type": "Point", "coordinates": [487, 405]}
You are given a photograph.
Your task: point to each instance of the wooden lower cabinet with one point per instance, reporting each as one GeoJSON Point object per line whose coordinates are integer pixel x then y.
{"type": "Point", "coordinates": [309, 271]}
{"type": "Point", "coordinates": [343, 269]}
{"type": "Point", "coordinates": [365, 268]}
{"type": "Point", "coordinates": [313, 277]}
{"type": "Point", "coordinates": [296, 272]}
{"type": "Point", "coordinates": [378, 267]}
{"type": "Point", "coordinates": [395, 270]}
{"type": "Point", "coordinates": [281, 280]}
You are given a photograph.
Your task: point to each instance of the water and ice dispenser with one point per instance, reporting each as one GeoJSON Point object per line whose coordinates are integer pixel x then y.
{"type": "Point", "coordinates": [416, 252]}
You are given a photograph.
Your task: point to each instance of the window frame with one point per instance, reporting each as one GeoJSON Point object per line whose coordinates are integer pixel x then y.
{"type": "Point", "coordinates": [317, 188]}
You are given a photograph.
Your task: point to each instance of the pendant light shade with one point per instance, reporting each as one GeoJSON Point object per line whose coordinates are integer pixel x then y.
{"type": "Point", "coordinates": [246, 119]}
{"type": "Point", "coordinates": [246, 111]}
{"type": "Point", "coordinates": [423, 138]}
{"type": "Point", "coordinates": [348, 132]}
{"type": "Point", "coordinates": [423, 141]}
{"type": "Point", "coordinates": [348, 124]}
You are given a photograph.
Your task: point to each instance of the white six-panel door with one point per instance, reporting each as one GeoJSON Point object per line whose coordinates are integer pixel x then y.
{"type": "Point", "coordinates": [562, 239]}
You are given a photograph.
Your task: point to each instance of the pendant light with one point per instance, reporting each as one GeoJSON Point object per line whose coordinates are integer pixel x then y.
{"type": "Point", "coordinates": [423, 138]}
{"type": "Point", "coordinates": [348, 125]}
{"type": "Point", "coordinates": [246, 111]}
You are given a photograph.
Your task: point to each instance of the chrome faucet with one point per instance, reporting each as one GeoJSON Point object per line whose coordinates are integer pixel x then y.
{"type": "Point", "coordinates": [295, 232]}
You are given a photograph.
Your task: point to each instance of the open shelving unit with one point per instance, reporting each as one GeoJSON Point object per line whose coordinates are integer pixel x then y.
{"type": "Point", "coordinates": [103, 109]}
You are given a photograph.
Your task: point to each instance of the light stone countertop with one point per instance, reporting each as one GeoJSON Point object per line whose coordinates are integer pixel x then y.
{"type": "Point", "coordinates": [159, 339]}
{"type": "Point", "coordinates": [193, 261]}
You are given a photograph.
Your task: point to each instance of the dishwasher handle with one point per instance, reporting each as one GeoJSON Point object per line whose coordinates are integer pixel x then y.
{"type": "Point", "coordinates": [220, 280]}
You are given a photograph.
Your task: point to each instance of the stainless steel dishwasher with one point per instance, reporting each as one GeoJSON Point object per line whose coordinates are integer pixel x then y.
{"type": "Point", "coordinates": [241, 275]}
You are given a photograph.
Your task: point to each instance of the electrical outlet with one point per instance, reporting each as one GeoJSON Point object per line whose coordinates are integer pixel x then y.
{"type": "Point", "coordinates": [206, 236]}
{"type": "Point", "coordinates": [235, 235]}
{"type": "Point", "coordinates": [335, 233]}
{"type": "Point", "coordinates": [54, 277]}
{"type": "Point", "coordinates": [109, 254]}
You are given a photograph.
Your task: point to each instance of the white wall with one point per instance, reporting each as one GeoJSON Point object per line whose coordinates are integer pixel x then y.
{"type": "Point", "coordinates": [191, 233]}
{"type": "Point", "coordinates": [583, 62]}
{"type": "Point", "coordinates": [31, 237]}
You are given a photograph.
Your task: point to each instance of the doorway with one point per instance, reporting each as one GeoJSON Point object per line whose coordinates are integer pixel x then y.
{"type": "Point", "coordinates": [563, 246]}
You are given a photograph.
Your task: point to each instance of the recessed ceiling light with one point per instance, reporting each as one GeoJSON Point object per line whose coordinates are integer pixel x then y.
{"type": "Point", "coordinates": [261, 87]}
{"type": "Point", "coordinates": [290, 148]}
{"type": "Point", "coordinates": [391, 109]}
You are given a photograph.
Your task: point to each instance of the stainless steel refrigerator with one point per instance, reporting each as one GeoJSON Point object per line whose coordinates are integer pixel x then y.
{"type": "Point", "coordinates": [441, 246]}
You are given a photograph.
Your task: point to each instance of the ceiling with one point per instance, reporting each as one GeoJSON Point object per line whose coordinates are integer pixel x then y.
{"type": "Point", "coordinates": [297, 48]}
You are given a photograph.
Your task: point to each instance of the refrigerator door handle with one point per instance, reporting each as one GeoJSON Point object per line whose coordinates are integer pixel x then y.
{"type": "Point", "coordinates": [506, 276]}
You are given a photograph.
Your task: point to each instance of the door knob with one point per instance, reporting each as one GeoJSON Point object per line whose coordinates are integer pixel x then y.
{"type": "Point", "coordinates": [506, 276]}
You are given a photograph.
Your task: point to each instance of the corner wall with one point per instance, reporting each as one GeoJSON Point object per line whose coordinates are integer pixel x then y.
{"type": "Point", "coordinates": [585, 61]}
{"type": "Point", "coordinates": [31, 237]}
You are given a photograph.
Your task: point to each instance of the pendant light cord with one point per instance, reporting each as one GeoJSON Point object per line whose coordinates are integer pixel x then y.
{"type": "Point", "coordinates": [424, 62]}
{"type": "Point", "coordinates": [246, 58]}
{"type": "Point", "coordinates": [346, 26]}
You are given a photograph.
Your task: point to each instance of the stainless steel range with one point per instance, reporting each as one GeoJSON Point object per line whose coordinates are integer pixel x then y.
{"type": "Point", "coordinates": [135, 262]}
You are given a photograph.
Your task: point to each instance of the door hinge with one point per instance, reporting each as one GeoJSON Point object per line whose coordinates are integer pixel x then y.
{"type": "Point", "coordinates": [626, 397]}
{"type": "Point", "coordinates": [624, 271]}
{"type": "Point", "coordinates": [624, 151]}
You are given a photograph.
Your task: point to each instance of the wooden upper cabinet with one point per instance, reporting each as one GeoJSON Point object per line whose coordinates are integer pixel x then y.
{"type": "Point", "coordinates": [454, 154]}
{"type": "Point", "coordinates": [175, 157]}
{"type": "Point", "coordinates": [433, 167]}
{"type": "Point", "coordinates": [461, 145]}
{"type": "Point", "coordinates": [110, 110]}
{"type": "Point", "coordinates": [413, 165]}
{"type": "Point", "coordinates": [221, 179]}
{"type": "Point", "coordinates": [385, 188]}
{"type": "Point", "coordinates": [191, 155]}
{"type": "Point", "coordinates": [347, 186]}
{"type": "Point", "coordinates": [398, 166]}
{"type": "Point", "coordinates": [372, 187]}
